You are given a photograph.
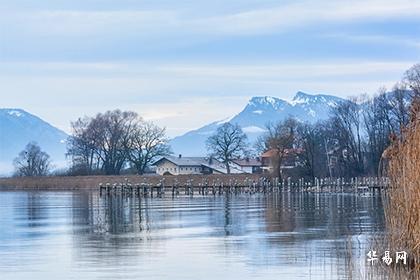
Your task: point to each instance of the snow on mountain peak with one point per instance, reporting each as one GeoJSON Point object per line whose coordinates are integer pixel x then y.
{"type": "Point", "coordinates": [253, 119]}
{"type": "Point", "coordinates": [15, 113]}
{"type": "Point", "coordinates": [302, 98]}
{"type": "Point", "coordinates": [269, 101]}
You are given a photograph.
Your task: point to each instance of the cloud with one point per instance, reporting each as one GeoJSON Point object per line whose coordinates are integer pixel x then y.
{"type": "Point", "coordinates": [159, 22]}
{"type": "Point", "coordinates": [178, 96]}
{"type": "Point", "coordinates": [377, 39]}
{"type": "Point", "coordinates": [149, 75]}
{"type": "Point", "coordinates": [304, 13]}
{"type": "Point", "coordinates": [186, 63]}
{"type": "Point", "coordinates": [75, 23]}
{"type": "Point", "coordinates": [296, 70]}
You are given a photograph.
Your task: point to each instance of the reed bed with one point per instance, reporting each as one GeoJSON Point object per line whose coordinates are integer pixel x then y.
{"type": "Point", "coordinates": [402, 201]}
{"type": "Point", "coordinates": [92, 182]}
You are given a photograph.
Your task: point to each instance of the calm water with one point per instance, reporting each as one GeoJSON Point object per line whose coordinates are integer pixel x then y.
{"type": "Point", "coordinates": [77, 235]}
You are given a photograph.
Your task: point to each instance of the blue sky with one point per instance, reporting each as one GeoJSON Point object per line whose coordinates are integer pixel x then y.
{"type": "Point", "coordinates": [183, 64]}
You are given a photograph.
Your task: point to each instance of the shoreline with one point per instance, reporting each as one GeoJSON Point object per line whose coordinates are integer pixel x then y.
{"type": "Point", "coordinates": [92, 182]}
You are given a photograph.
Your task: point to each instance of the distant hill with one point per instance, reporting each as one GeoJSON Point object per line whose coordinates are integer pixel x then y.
{"type": "Point", "coordinates": [18, 127]}
{"type": "Point", "coordinates": [257, 113]}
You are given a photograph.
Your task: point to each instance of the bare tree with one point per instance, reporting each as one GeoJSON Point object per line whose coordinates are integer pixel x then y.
{"type": "Point", "coordinates": [310, 140]}
{"type": "Point", "coordinates": [412, 79]}
{"type": "Point", "coordinates": [83, 147]}
{"type": "Point", "coordinates": [279, 138]}
{"type": "Point", "coordinates": [346, 120]}
{"type": "Point", "coordinates": [398, 107]}
{"type": "Point", "coordinates": [32, 161]}
{"type": "Point", "coordinates": [113, 130]}
{"type": "Point", "coordinates": [145, 143]}
{"type": "Point", "coordinates": [228, 143]}
{"type": "Point", "coordinates": [107, 142]}
{"type": "Point", "coordinates": [100, 143]}
{"type": "Point", "coordinates": [378, 125]}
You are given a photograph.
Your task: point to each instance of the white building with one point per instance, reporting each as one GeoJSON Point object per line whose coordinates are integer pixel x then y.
{"type": "Point", "coordinates": [171, 165]}
{"type": "Point", "coordinates": [249, 165]}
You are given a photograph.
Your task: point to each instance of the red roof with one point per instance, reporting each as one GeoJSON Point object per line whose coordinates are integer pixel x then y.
{"type": "Point", "coordinates": [273, 152]}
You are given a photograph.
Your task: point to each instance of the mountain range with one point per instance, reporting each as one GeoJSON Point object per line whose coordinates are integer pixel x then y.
{"type": "Point", "coordinates": [257, 113]}
{"type": "Point", "coordinates": [18, 127]}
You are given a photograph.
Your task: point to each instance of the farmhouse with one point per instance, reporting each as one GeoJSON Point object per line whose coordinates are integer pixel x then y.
{"type": "Point", "coordinates": [290, 160]}
{"type": "Point", "coordinates": [249, 165]}
{"type": "Point", "coordinates": [172, 165]}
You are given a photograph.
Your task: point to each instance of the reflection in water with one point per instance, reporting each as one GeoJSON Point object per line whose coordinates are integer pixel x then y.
{"type": "Point", "coordinates": [78, 235]}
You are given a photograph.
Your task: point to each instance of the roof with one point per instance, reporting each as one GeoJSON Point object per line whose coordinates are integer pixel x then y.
{"type": "Point", "coordinates": [248, 162]}
{"type": "Point", "coordinates": [272, 152]}
{"type": "Point", "coordinates": [183, 161]}
{"type": "Point", "coordinates": [199, 161]}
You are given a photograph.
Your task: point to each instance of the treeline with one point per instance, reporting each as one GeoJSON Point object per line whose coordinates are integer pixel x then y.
{"type": "Point", "coordinates": [351, 142]}
{"type": "Point", "coordinates": [113, 141]}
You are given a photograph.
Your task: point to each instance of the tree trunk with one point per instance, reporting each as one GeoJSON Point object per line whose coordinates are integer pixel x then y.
{"type": "Point", "coordinates": [227, 168]}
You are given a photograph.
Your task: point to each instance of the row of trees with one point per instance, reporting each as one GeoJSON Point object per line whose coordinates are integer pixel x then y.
{"type": "Point", "coordinates": [109, 142]}
{"type": "Point", "coordinates": [350, 143]}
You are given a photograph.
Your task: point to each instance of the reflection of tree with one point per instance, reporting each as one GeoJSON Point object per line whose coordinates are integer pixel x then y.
{"type": "Point", "coordinates": [279, 215]}
{"type": "Point", "coordinates": [33, 209]}
{"type": "Point", "coordinates": [36, 208]}
{"type": "Point", "coordinates": [112, 229]}
{"type": "Point", "coordinates": [263, 229]}
{"type": "Point", "coordinates": [115, 214]}
{"type": "Point", "coordinates": [337, 214]}
{"type": "Point", "coordinates": [227, 217]}
{"type": "Point", "coordinates": [320, 226]}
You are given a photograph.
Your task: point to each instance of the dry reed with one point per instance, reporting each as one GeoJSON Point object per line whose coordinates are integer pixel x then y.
{"type": "Point", "coordinates": [92, 182]}
{"type": "Point", "coordinates": [402, 201]}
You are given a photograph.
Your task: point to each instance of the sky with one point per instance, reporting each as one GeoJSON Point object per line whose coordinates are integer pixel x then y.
{"type": "Point", "coordinates": [183, 64]}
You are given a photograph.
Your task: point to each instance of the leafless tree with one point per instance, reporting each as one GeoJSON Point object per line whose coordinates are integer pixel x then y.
{"type": "Point", "coordinates": [83, 147]}
{"type": "Point", "coordinates": [378, 124]}
{"type": "Point", "coordinates": [412, 79]}
{"type": "Point", "coordinates": [399, 101]}
{"type": "Point", "coordinates": [310, 140]}
{"type": "Point", "coordinates": [279, 138]}
{"type": "Point", "coordinates": [107, 142]}
{"type": "Point", "coordinates": [346, 121]}
{"type": "Point", "coordinates": [145, 143]}
{"type": "Point", "coordinates": [113, 129]}
{"type": "Point", "coordinates": [32, 161]}
{"type": "Point", "coordinates": [228, 143]}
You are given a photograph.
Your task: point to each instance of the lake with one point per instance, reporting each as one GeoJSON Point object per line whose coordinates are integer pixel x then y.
{"type": "Point", "coordinates": [82, 235]}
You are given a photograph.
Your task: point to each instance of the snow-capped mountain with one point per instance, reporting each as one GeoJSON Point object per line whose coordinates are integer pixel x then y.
{"type": "Point", "coordinates": [18, 128]}
{"type": "Point", "coordinates": [257, 113]}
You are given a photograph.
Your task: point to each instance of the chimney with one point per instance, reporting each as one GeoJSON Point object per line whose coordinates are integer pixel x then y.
{"type": "Point", "coordinates": [179, 156]}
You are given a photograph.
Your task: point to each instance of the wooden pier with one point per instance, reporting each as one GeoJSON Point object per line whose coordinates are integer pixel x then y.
{"type": "Point", "coordinates": [217, 186]}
